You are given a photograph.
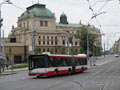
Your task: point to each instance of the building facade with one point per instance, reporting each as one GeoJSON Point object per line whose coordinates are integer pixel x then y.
{"type": "Point", "coordinates": [37, 26]}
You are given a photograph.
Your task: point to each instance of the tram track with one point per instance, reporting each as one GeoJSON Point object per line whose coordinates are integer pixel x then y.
{"type": "Point", "coordinates": [105, 71]}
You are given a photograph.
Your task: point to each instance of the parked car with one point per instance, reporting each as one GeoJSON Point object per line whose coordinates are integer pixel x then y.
{"type": "Point", "coordinates": [116, 55]}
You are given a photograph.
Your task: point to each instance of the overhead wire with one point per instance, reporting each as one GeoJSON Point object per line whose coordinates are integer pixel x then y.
{"type": "Point", "coordinates": [94, 15]}
{"type": "Point", "coordinates": [18, 7]}
{"type": "Point", "coordinates": [103, 6]}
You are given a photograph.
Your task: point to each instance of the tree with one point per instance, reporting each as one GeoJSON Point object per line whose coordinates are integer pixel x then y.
{"type": "Point", "coordinates": [63, 50]}
{"type": "Point", "coordinates": [72, 51]}
{"type": "Point", "coordinates": [81, 35]}
{"type": "Point", "coordinates": [52, 51]}
{"type": "Point", "coordinates": [98, 50]}
{"type": "Point", "coordinates": [37, 50]}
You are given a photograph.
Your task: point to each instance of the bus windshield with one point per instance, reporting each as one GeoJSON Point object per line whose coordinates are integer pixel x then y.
{"type": "Point", "coordinates": [36, 61]}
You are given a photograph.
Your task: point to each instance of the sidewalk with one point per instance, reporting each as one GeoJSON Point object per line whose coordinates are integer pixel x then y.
{"type": "Point", "coordinates": [9, 72]}
{"type": "Point", "coordinates": [94, 61]}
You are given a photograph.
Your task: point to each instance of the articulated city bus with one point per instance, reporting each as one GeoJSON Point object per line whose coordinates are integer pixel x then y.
{"type": "Point", "coordinates": [54, 64]}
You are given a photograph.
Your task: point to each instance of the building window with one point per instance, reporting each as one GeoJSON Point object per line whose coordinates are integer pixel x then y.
{"type": "Point", "coordinates": [48, 50]}
{"type": "Point", "coordinates": [39, 42]}
{"type": "Point", "coordinates": [47, 37]}
{"type": "Point", "coordinates": [55, 38]}
{"type": "Point", "coordinates": [76, 50]}
{"type": "Point", "coordinates": [51, 42]}
{"type": "Point", "coordinates": [47, 42]}
{"type": "Point", "coordinates": [76, 43]}
{"type": "Point", "coordinates": [41, 23]}
{"type": "Point", "coordinates": [24, 25]}
{"type": "Point", "coordinates": [43, 49]}
{"type": "Point", "coordinates": [27, 24]}
{"type": "Point", "coordinates": [43, 37]}
{"type": "Point", "coordinates": [55, 42]}
{"type": "Point", "coordinates": [46, 23]}
{"type": "Point", "coordinates": [39, 37]}
{"type": "Point", "coordinates": [19, 25]}
{"type": "Point", "coordinates": [51, 37]}
{"type": "Point", "coordinates": [63, 42]}
{"type": "Point", "coordinates": [43, 42]}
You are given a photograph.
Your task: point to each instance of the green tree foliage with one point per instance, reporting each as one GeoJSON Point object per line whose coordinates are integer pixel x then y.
{"type": "Point", "coordinates": [37, 51]}
{"type": "Point", "coordinates": [52, 51]}
{"type": "Point", "coordinates": [72, 51]}
{"type": "Point", "coordinates": [63, 50]}
{"type": "Point", "coordinates": [82, 36]}
{"type": "Point", "coordinates": [98, 51]}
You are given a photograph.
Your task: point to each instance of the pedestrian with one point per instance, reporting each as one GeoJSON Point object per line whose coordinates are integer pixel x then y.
{"type": "Point", "coordinates": [6, 64]}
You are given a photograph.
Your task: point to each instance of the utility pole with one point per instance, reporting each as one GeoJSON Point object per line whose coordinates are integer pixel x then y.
{"type": "Point", "coordinates": [33, 42]}
{"type": "Point", "coordinates": [104, 49]}
{"type": "Point", "coordinates": [0, 39]}
{"type": "Point", "coordinates": [3, 52]}
{"type": "Point", "coordinates": [87, 42]}
{"type": "Point", "coordinates": [3, 45]}
{"type": "Point", "coordinates": [107, 47]}
{"type": "Point", "coordinates": [33, 37]}
{"type": "Point", "coordinates": [1, 20]}
{"type": "Point", "coordinates": [68, 47]}
{"type": "Point", "coordinates": [87, 45]}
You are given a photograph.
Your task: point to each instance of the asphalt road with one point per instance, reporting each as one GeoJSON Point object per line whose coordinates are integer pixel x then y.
{"type": "Point", "coordinates": [103, 77]}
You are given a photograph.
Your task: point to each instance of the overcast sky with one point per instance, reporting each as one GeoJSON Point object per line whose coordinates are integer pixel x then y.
{"type": "Point", "coordinates": [75, 10]}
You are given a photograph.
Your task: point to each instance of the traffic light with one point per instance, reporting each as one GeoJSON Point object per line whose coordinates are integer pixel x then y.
{"type": "Point", "coordinates": [1, 20]}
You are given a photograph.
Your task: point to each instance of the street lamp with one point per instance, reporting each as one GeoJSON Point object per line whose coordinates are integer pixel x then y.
{"type": "Point", "coordinates": [4, 2]}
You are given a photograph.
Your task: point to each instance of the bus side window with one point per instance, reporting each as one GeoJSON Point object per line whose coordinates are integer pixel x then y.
{"type": "Point", "coordinates": [81, 61]}
{"type": "Point", "coordinates": [76, 61]}
{"type": "Point", "coordinates": [51, 62]}
{"type": "Point", "coordinates": [56, 60]}
{"type": "Point", "coordinates": [64, 62]}
{"type": "Point", "coordinates": [68, 61]}
{"type": "Point", "coordinates": [85, 62]}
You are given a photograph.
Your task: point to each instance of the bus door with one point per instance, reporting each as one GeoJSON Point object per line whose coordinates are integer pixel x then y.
{"type": "Point", "coordinates": [73, 64]}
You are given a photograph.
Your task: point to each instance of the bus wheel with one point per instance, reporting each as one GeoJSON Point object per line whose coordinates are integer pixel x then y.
{"type": "Point", "coordinates": [56, 73]}
{"type": "Point", "coordinates": [69, 71]}
{"type": "Point", "coordinates": [38, 76]}
{"type": "Point", "coordinates": [82, 70]}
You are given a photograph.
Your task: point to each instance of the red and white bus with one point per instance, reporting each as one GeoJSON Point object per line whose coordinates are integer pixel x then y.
{"type": "Point", "coordinates": [53, 64]}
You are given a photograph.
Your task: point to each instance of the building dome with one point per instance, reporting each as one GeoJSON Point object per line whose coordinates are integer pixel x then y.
{"type": "Point", "coordinates": [36, 10]}
{"type": "Point", "coordinates": [63, 19]}
{"type": "Point", "coordinates": [63, 15]}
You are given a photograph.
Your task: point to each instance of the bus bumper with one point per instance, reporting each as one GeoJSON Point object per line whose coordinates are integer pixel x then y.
{"type": "Point", "coordinates": [42, 74]}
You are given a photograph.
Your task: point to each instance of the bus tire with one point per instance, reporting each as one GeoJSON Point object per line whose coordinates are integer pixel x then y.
{"type": "Point", "coordinates": [38, 76]}
{"type": "Point", "coordinates": [82, 69]}
{"type": "Point", "coordinates": [56, 73]}
{"type": "Point", "coordinates": [69, 71]}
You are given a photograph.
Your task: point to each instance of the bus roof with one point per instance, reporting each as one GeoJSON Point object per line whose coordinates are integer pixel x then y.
{"type": "Point", "coordinates": [62, 55]}
{"type": "Point", "coordinates": [82, 55]}
{"type": "Point", "coordinates": [79, 55]}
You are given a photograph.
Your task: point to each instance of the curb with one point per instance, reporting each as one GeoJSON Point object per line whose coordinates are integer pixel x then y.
{"type": "Point", "coordinates": [10, 73]}
{"type": "Point", "coordinates": [103, 63]}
